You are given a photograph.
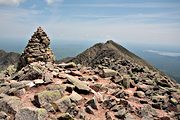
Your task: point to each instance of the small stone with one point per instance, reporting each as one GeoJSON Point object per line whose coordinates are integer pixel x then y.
{"type": "Point", "coordinates": [99, 97]}
{"type": "Point", "coordinates": [95, 77]}
{"type": "Point", "coordinates": [129, 116]}
{"type": "Point", "coordinates": [17, 85]}
{"type": "Point", "coordinates": [157, 105]}
{"type": "Point", "coordinates": [10, 70]}
{"type": "Point", "coordinates": [4, 89]}
{"type": "Point", "coordinates": [73, 110]}
{"type": "Point", "coordinates": [12, 91]}
{"type": "Point", "coordinates": [163, 83]}
{"type": "Point", "coordinates": [147, 110]}
{"type": "Point", "coordinates": [67, 65]}
{"type": "Point", "coordinates": [149, 82]}
{"type": "Point", "coordinates": [121, 113]}
{"type": "Point", "coordinates": [116, 108]}
{"type": "Point", "coordinates": [159, 98]}
{"type": "Point", "coordinates": [173, 101]}
{"type": "Point", "coordinates": [89, 110]}
{"type": "Point", "coordinates": [144, 88]}
{"type": "Point", "coordinates": [139, 94]}
{"type": "Point", "coordinates": [132, 84]}
{"type": "Point", "coordinates": [147, 117]}
{"type": "Point", "coordinates": [29, 85]}
{"type": "Point", "coordinates": [76, 73]}
{"type": "Point", "coordinates": [64, 116]}
{"type": "Point", "coordinates": [96, 87]}
{"type": "Point", "coordinates": [50, 66]}
{"type": "Point", "coordinates": [70, 65]}
{"type": "Point", "coordinates": [62, 104]}
{"type": "Point", "coordinates": [109, 73]}
{"type": "Point", "coordinates": [109, 103]}
{"type": "Point", "coordinates": [48, 77]}
{"type": "Point", "coordinates": [38, 81]}
{"type": "Point", "coordinates": [108, 116]}
{"type": "Point", "coordinates": [165, 118]}
{"type": "Point", "coordinates": [75, 96]}
{"type": "Point", "coordinates": [126, 82]}
{"type": "Point", "coordinates": [92, 103]}
{"type": "Point", "coordinates": [143, 101]}
{"type": "Point", "coordinates": [3, 115]}
{"type": "Point", "coordinates": [48, 107]}
{"type": "Point", "coordinates": [80, 85]}
{"type": "Point", "coordinates": [61, 88]}
{"type": "Point", "coordinates": [20, 92]}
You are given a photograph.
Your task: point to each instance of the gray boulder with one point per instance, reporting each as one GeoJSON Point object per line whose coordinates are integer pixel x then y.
{"type": "Point", "coordinates": [80, 85]}
{"type": "Point", "coordinates": [31, 114]}
{"type": "Point", "coordinates": [10, 104]}
{"type": "Point", "coordinates": [47, 97]}
{"type": "Point", "coordinates": [109, 73]}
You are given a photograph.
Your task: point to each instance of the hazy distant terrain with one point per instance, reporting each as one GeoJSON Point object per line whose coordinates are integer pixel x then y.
{"type": "Point", "coordinates": [168, 64]}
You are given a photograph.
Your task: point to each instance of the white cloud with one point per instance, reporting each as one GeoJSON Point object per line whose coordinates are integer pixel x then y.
{"type": "Point", "coordinates": [129, 5]}
{"type": "Point", "coordinates": [164, 53]}
{"type": "Point", "coordinates": [10, 2]}
{"type": "Point", "coordinates": [50, 2]}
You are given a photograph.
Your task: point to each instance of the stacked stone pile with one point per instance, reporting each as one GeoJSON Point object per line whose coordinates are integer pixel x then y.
{"type": "Point", "coordinates": [37, 49]}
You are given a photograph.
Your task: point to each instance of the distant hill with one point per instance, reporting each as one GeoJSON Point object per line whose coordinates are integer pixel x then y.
{"type": "Point", "coordinates": [8, 58]}
{"type": "Point", "coordinates": [96, 54]}
{"type": "Point", "coordinates": [109, 49]}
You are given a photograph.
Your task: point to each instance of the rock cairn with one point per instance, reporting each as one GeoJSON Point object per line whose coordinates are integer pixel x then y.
{"type": "Point", "coordinates": [37, 49]}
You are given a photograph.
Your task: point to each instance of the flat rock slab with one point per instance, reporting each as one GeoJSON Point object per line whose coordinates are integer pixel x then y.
{"type": "Point", "coordinates": [62, 104]}
{"type": "Point", "coordinates": [10, 104]}
{"type": "Point", "coordinates": [79, 84]}
{"type": "Point", "coordinates": [47, 97]}
{"type": "Point", "coordinates": [109, 73]}
{"type": "Point", "coordinates": [31, 114]}
{"type": "Point", "coordinates": [75, 97]}
{"type": "Point", "coordinates": [64, 116]}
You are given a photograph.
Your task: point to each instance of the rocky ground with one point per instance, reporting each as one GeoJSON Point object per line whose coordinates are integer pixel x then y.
{"type": "Point", "coordinates": [68, 91]}
{"type": "Point", "coordinates": [113, 89]}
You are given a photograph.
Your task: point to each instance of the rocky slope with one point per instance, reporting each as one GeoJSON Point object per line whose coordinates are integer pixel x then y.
{"type": "Point", "coordinates": [114, 89]}
{"type": "Point", "coordinates": [93, 56]}
{"type": "Point", "coordinates": [7, 59]}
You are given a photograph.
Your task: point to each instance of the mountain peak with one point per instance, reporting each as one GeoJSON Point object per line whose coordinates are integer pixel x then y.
{"type": "Point", "coordinates": [109, 49]}
{"type": "Point", "coordinates": [37, 49]}
{"type": "Point", "coordinates": [109, 41]}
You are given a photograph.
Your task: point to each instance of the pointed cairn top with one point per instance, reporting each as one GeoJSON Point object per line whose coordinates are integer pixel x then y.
{"type": "Point", "coordinates": [37, 49]}
{"type": "Point", "coordinates": [39, 29]}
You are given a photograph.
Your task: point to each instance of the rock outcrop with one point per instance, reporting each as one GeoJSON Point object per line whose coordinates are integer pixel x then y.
{"type": "Point", "coordinates": [37, 49]}
{"type": "Point", "coordinates": [8, 59]}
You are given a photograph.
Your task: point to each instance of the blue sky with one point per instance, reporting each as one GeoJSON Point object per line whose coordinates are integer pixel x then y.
{"type": "Point", "coordinates": [125, 21]}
